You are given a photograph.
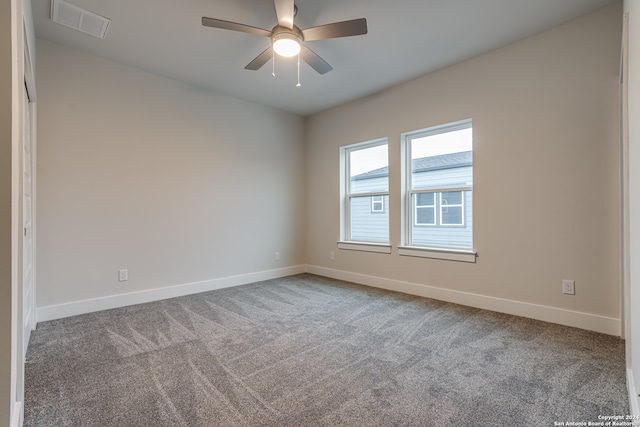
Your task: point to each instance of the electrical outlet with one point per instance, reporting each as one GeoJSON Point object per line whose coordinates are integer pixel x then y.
{"type": "Point", "coordinates": [331, 256]}
{"type": "Point", "coordinates": [277, 256]}
{"type": "Point", "coordinates": [123, 275]}
{"type": "Point", "coordinates": [569, 287]}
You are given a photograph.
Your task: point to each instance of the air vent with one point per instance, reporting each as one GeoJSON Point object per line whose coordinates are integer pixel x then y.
{"type": "Point", "coordinates": [79, 19]}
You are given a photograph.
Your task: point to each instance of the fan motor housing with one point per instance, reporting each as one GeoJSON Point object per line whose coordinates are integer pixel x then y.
{"type": "Point", "coordinates": [284, 32]}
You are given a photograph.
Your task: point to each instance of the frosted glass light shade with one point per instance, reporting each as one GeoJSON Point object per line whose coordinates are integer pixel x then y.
{"type": "Point", "coordinates": [286, 45]}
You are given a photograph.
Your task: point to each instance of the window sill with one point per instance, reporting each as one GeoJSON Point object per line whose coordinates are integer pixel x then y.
{"type": "Point", "coordinates": [436, 253]}
{"type": "Point", "coordinates": [381, 248]}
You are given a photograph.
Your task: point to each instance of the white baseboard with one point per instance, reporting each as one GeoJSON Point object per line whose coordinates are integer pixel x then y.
{"type": "Point", "coordinates": [18, 415]}
{"type": "Point", "coordinates": [592, 322]}
{"type": "Point", "coordinates": [634, 405]}
{"type": "Point", "coordinates": [114, 301]}
{"type": "Point", "coordinates": [606, 325]}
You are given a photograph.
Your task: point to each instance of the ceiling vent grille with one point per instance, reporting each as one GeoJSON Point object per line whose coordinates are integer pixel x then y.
{"type": "Point", "coordinates": [79, 19]}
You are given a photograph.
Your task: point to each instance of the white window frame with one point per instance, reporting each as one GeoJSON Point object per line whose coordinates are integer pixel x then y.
{"type": "Point", "coordinates": [448, 205]}
{"type": "Point", "coordinates": [416, 207]}
{"type": "Point", "coordinates": [375, 201]}
{"type": "Point", "coordinates": [407, 247]}
{"type": "Point", "coordinates": [346, 196]}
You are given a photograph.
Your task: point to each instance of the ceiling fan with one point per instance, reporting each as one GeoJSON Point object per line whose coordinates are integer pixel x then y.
{"type": "Point", "coordinates": [286, 38]}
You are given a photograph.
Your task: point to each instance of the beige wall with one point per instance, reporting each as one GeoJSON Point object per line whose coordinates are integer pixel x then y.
{"type": "Point", "coordinates": [6, 38]}
{"type": "Point", "coordinates": [546, 168]}
{"type": "Point", "coordinates": [179, 185]}
{"type": "Point", "coordinates": [176, 184]}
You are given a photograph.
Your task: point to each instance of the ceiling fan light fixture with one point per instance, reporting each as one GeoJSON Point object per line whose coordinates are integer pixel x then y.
{"type": "Point", "coordinates": [287, 38]}
{"type": "Point", "coordinates": [286, 44]}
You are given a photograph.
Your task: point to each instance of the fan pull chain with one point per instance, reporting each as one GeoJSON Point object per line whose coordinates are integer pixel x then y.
{"type": "Point", "coordinates": [298, 85]}
{"type": "Point", "coordinates": [273, 65]}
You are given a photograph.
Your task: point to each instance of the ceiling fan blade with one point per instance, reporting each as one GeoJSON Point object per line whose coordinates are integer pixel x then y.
{"type": "Point", "coordinates": [234, 26]}
{"type": "Point", "coordinates": [284, 12]}
{"type": "Point", "coordinates": [260, 60]}
{"type": "Point", "coordinates": [354, 27]}
{"type": "Point", "coordinates": [312, 58]}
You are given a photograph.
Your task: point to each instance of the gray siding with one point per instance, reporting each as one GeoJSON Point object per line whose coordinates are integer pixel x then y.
{"type": "Point", "coordinates": [367, 225]}
{"type": "Point", "coordinates": [452, 176]}
{"type": "Point", "coordinates": [380, 183]}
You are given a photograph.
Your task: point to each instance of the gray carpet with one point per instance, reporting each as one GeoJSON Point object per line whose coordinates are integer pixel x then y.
{"type": "Point", "coordinates": [311, 351]}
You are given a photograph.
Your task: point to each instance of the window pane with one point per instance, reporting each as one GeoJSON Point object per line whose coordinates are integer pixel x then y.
{"type": "Point", "coordinates": [452, 198]}
{"type": "Point", "coordinates": [442, 160]}
{"type": "Point", "coordinates": [452, 215]}
{"type": "Point", "coordinates": [423, 207]}
{"type": "Point", "coordinates": [453, 229]}
{"type": "Point", "coordinates": [425, 216]}
{"type": "Point", "coordinates": [425, 199]}
{"type": "Point", "coordinates": [369, 169]}
{"type": "Point", "coordinates": [366, 225]}
{"type": "Point", "coordinates": [377, 203]}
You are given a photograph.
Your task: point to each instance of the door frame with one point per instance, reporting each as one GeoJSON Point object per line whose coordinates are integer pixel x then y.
{"type": "Point", "coordinates": [30, 105]}
{"type": "Point", "coordinates": [22, 81]}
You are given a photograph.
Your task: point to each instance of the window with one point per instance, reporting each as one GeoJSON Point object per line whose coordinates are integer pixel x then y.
{"type": "Point", "coordinates": [424, 209]}
{"type": "Point", "coordinates": [377, 204]}
{"type": "Point", "coordinates": [439, 186]}
{"type": "Point", "coordinates": [365, 192]}
{"type": "Point", "coordinates": [452, 208]}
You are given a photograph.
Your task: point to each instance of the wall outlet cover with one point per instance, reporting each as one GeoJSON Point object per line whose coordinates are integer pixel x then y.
{"type": "Point", "coordinates": [569, 287]}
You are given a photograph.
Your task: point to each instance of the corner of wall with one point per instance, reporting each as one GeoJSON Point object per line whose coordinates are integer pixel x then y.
{"type": "Point", "coordinates": [634, 404]}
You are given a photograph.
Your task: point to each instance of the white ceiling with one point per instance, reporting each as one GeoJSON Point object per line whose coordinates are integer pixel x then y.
{"type": "Point", "coordinates": [406, 39]}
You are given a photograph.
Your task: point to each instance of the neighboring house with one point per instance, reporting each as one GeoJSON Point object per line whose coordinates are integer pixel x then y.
{"type": "Point", "coordinates": [438, 218]}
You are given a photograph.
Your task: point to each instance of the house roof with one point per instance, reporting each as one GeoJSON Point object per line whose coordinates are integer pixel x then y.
{"type": "Point", "coordinates": [423, 164]}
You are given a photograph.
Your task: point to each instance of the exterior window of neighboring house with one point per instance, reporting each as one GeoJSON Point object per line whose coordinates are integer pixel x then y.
{"type": "Point", "coordinates": [439, 187]}
{"type": "Point", "coordinates": [424, 209]}
{"type": "Point", "coordinates": [377, 204]}
{"type": "Point", "coordinates": [452, 208]}
{"type": "Point", "coordinates": [365, 192]}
